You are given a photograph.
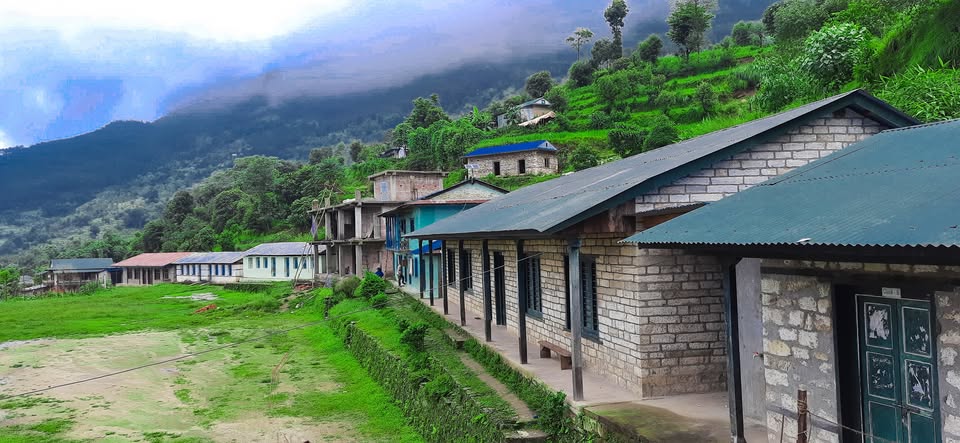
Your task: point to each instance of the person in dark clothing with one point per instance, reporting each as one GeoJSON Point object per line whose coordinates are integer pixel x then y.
{"type": "Point", "coordinates": [379, 272]}
{"type": "Point", "coordinates": [402, 274]}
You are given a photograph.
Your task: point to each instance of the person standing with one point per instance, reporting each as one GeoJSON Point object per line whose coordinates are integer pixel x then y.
{"type": "Point", "coordinates": [379, 272]}
{"type": "Point", "coordinates": [402, 273]}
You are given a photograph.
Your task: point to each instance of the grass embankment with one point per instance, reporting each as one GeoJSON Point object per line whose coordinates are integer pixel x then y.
{"type": "Point", "coordinates": [298, 385]}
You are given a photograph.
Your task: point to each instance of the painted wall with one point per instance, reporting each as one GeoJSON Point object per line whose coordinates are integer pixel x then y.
{"type": "Point", "coordinates": [213, 273]}
{"type": "Point", "coordinates": [134, 276]}
{"type": "Point", "coordinates": [278, 268]}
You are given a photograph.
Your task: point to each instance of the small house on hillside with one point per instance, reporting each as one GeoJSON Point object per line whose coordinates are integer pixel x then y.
{"type": "Point", "coordinates": [150, 268]}
{"type": "Point", "coordinates": [525, 112]}
{"type": "Point", "coordinates": [288, 261]}
{"type": "Point", "coordinates": [527, 158]}
{"type": "Point", "coordinates": [423, 262]}
{"type": "Point", "coordinates": [210, 267]}
{"type": "Point", "coordinates": [72, 273]}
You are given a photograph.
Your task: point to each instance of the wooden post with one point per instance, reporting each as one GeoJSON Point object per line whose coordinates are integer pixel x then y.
{"type": "Point", "coordinates": [734, 380]}
{"type": "Point", "coordinates": [487, 298]}
{"type": "Point", "coordinates": [444, 275]}
{"type": "Point", "coordinates": [420, 270]}
{"type": "Point", "coordinates": [430, 266]}
{"type": "Point", "coordinates": [463, 296]}
{"type": "Point", "coordinates": [802, 429]}
{"type": "Point", "coordinates": [522, 301]}
{"type": "Point", "coordinates": [576, 317]}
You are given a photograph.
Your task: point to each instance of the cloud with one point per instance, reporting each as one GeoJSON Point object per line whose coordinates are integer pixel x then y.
{"type": "Point", "coordinates": [5, 142]}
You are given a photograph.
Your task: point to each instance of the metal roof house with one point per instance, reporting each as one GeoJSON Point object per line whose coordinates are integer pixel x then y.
{"type": "Point", "coordinates": [525, 112]}
{"type": "Point", "coordinates": [210, 267]}
{"type": "Point", "coordinates": [285, 261]}
{"type": "Point", "coordinates": [860, 263]}
{"type": "Point", "coordinates": [651, 320]}
{"type": "Point", "coordinates": [150, 268]}
{"type": "Point", "coordinates": [71, 273]}
{"type": "Point", "coordinates": [526, 158]}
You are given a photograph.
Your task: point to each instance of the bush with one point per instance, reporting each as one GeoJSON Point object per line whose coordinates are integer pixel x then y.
{"type": "Point", "coordinates": [557, 96]}
{"type": "Point", "coordinates": [782, 83]}
{"type": "Point", "coordinates": [439, 387]}
{"type": "Point", "coordinates": [600, 120]}
{"type": "Point", "coordinates": [706, 97]}
{"type": "Point", "coordinates": [663, 133]}
{"type": "Point", "coordinates": [927, 94]}
{"type": "Point", "coordinates": [830, 54]}
{"type": "Point", "coordinates": [580, 74]}
{"type": "Point", "coordinates": [626, 139]}
{"type": "Point", "coordinates": [649, 49]}
{"type": "Point", "coordinates": [370, 286]}
{"type": "Point", "coordinates": [687, 115]}
{"type": "Point", "coordinates": [413, 336]}
{"type": "Point", "coordinates": [347, 286]}
{"type": "Point", "coordinates": [379, 301]}
{"type": "Point", "coordinates": [89, 287]}
{"type": "Point", "coordinates": [582, 158]}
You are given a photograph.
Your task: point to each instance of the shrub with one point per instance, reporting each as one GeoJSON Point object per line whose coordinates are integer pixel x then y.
{"type": "Point", "coordinates": [662, 133]}
{"type": "Point", "coordinates": [379, 301]}
{"type": "Point", "coordinates": [600, 120]}
{"type": "Point", "coordinates": [649, 49]}
{"type": "Point", "coordinates": [626, 139]}
{"type": "Point", "coordinates": [347, 286]}
{"type": "Point", "coordinates": [927, 94]}
{"type": "Point", "coordinates": [580, 74]}
{"type": "Point", "coordinates": [557, 96]}
{"type": "Point", "coordinates": [439, 387]}
{"type": "Point", "coordinates": [582, 158]}
{"type": "Point", "coordinates": [706, 97]}
{"type": "Point", "coordinates": [794, 19]}
{"type": "Point", "coordinates": [89, 287]}
{"type": "Point", "coordinates": [687, 115]}
{"type": "Point", "coordinates": [370, 286]}
{"type": "Point", "coordinates": [782, 83]}
{"type": "Point", "coordinates": [413, 336]}
{"type": "Point", "coordinates": [830, 54]}
{"type": "Point", "coordinates": [538, 84]}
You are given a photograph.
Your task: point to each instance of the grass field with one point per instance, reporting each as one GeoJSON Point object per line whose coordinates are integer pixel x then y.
{"type": "Point", "coordinates": [296, 386]}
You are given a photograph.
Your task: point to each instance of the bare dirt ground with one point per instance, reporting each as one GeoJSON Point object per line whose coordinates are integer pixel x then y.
{"type": "Point", "coordinates": [223, 396]}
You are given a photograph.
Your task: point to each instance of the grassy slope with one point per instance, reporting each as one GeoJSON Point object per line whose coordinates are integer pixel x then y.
{"type": "Point", "coordinates": [241, 315]}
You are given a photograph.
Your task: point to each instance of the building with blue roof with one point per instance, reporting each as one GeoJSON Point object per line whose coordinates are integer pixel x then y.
{"type": "Point", "coordinates": [285, 261]}
{"type": "Point", "coordinates": [210, 267]}
{"type": "Point", "coordinates": [526, 158]}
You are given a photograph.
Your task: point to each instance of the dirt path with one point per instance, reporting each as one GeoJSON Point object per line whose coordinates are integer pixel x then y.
{"type": "Point", "coordinates": [222, 396]}
{"type": "Point", "coordinates": [524, 413]}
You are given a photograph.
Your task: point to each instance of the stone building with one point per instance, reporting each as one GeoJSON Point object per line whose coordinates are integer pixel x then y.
{"type": "Point", "coordinates": [525, 112]}
{"type": "Point", "coordinates": [859, 264]}
{"type": "Point", "coordinates": [650, 319]}
{"type": "Point", "coordinates": [150, 268]}
{"type": "Point", "coordinates": [527, 158]}
{"type": "Point", "coordinates": [355, 234]}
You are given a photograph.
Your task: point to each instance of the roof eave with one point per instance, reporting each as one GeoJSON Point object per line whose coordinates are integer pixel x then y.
{"type": "Point", "coordinates": [907, 254]}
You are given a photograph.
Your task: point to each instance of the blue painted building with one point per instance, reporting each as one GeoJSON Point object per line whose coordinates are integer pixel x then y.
{"type": "Point", "coordinates": [416, 256]}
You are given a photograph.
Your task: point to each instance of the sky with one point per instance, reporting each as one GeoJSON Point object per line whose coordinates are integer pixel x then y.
{"type": "Point", "coordinates": [71, 67]}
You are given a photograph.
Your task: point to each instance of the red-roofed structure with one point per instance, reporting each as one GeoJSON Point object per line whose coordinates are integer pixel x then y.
{"type": "Point", "coordinates": [150, 268]}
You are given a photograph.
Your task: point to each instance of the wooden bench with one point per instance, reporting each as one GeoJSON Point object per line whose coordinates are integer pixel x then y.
{"type": "Point", "coordinates": [565, 361]}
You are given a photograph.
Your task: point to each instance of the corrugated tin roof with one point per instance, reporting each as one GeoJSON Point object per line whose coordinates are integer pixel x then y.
{"type": "Point", "coordinates": [81, 264]}
{"type": "Point", "coordinates": [548, 207]}
{"type": "Point", "coordinates": [898, 188]}
{"type": "Point", "coordinates": [212, 258]}
{"type": "Point", "coordinates": [155, 259]}
{"type": "Point", "coordinates": [284, 248]}
{"type": "Point", "coordinates": [536, 145]}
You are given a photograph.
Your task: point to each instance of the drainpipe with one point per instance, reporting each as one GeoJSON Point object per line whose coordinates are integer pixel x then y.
{"type": "Point", "coordinates": [734, 381]}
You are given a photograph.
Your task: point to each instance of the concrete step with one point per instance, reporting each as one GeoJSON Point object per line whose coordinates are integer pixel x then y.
{"type": "Point", "coordinates": [527, 436]}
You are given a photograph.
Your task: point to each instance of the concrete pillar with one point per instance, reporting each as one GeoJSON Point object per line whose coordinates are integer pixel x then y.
{"type": "Point", "coordinates": [358, 259]}
{"type": "Point", "coordinates": [576, 317]}
{"type": "Point", "coordinates": [734, 383]}
{"type": "Point", "coordinates": [420, 270]}
{"type": "Point", "coordinates": [430, 267]}
{"type": "Point", "coordinates": [487, 293]}
{"type": "Point", "coordinates": [444, 276]}
{"type": "Point", "coordinates": [522, 302]}
{"type": "Point", "coordinates": [462, 276]}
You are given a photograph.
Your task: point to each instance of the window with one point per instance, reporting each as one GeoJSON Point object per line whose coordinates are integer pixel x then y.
{"type": "Point", "coordinates": [466, 270]}
{"type": "Point", "coordinates": [588, 294]}
{"type": "Point", "coordinates": [451, 268]}
{"type": "Point", "coordinates": [496, 168]}
{"type": "Point", "coordinates": [273, 266]}
{"type": "Point", "coordinates": [296, 262]}
{"type": "Point", "coordinates": [230, 270]}
{"type": "Point", "coordinates": [411, 226]}
{"type": "Point", "coordinates": [546, 162]}
{"type": "Point", "coordinates": [286, 266]}
{"type": "Point", "coordinates": [136, 273]}
{"type": "Point", "coordinates": [531, 276]}
{"type": "Point", "coordinates": [249, 262]}
{"type": "Point", "coordinates": [258, 262]}
{"type": "Point", "coordinates": [522, 166]}
{"type": "Point", "coordinates": [216, 270]}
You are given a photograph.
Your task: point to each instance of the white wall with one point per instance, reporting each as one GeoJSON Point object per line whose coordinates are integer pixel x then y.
{"type": "Point", "coordinates": [278, 268]}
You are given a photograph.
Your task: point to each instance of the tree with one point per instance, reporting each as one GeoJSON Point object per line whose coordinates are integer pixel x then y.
{"type": "Point", "coordinates": [769, 18]}
{"type": "Point", "coordinates": [706, 97]}
{"type": "Point", "coordinates": [538, 84]}
{"type": "Point", "coordinates": [613, 88]}
{"type": "Point", "coordinates": [179, 207]}
{"type": "Point", "coordinates": [649, 49]}
{"type": "Point", "coordinates": [795, 19]}
{"type": "Point", "coordinates": [9, 282]}
{"type": "Point", "coordinates": [426, 112]}
{"type": "Point", "coordinates": [830, 54]}
{"type": "Point", "coordinates": [355, 148]}
{"type": "Point", "coordinates": [626, 139]}
{"type": "Point", "coordinates": [557, 96]}
{"type": "Point", "coordinates": [581, 74]}
{"type": "Point", "coordinates": [582, 158]}
{"type": "Point", "coordinates": [579, 38]}
{"type": "Point", "coordinates": [602, 53]}
{"type": "Point", "coordinates": [747, 33]}
{"type": "Point", "coordinates": [662, 133]}
{"type": "Point", "coordinates": [614, 14]}
{"type": "Point", "coordinates": [153, 236]}
{"type": "Point", "coordinates": [689, 21]}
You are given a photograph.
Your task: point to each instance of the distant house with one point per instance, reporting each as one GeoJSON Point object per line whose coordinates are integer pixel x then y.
{"type": "Point", "coordinates": [396, 152]}
{"type": "Point", "coordinates": [150, 268]}
{"type": "Point", "coordinates": [210, 267]}
{"type": "Point", "coordinates": [535, 157]}
{"type": "Point", "coordinates": [423, 265]}
{"type": "Point", "coordinates": [281, 262]}
{"type": "Point", "coordinates": [525, 112]}
{"type": "Point", "coordinates": [26, 280]}
{"type": "Point", "coordinates": [71, 273]}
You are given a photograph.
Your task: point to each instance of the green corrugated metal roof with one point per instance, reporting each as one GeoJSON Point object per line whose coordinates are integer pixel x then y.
{"type": "Point", "coordinates": [898, 188]}
{"type": "Point", "coordinates": [549, 207]}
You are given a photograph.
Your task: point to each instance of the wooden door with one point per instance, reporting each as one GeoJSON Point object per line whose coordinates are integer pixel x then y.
{"type": "Point", "coordinates": [898, 370]}
{"type": "Point", "coordinates": [500, 288]}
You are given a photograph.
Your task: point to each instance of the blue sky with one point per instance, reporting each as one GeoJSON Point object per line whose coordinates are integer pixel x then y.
{"type": "Point", "coordinates": [71, 67]}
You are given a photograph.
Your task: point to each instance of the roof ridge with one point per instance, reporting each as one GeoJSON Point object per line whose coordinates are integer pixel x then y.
{"type": "Point", "coordinates": [873, 172]}
{"type": "Point", "coordinates": [924, 125]}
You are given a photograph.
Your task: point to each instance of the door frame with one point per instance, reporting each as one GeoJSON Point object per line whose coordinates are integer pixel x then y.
{"type": "Point", "coordinates": [499, 288]}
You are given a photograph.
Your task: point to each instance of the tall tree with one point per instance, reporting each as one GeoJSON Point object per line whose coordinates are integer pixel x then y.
{"type": "Point", "coordinates": [580, 37]}
{"type": "Point", "coordinates": [614, 14]}
{"type": "Point", "coordinates": [426, 112]}
{"type": "Point", "coordinates": [649, 49]}
{"type": "Point", "coordinates": [602, 53]}
{"type": "Point", "coordinates": [538, 84]}
{"type": "Point", "coordinates": [689, 21]}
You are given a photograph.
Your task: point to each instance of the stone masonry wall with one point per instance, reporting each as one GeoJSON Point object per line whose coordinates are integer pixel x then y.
{"type": "Point", "coordinates": [799, 146]}
{"type": "Point", "coordinates": [798, 341]}
{"type": "Point", "coordinates": [535, 163]}
{"type": "Point", "coordinates": [660, 312]}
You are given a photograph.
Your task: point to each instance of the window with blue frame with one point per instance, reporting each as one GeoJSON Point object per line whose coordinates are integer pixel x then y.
{"type": "Point", "coordinates": [296, 262]}
{"type": "Point", "coordinates": [286, 266]}
{"type": "Point", "coordinates": [273, 266]}
{"type": "Point", "coordinates": [258, 262]}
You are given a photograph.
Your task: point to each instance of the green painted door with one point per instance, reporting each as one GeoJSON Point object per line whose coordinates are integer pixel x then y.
{"type": "Point", "coordinates": [898, 370]}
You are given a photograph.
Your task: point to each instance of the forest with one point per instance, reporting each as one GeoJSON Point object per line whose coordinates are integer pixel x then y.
{"type": "Point", "coordinates": [613, 102]}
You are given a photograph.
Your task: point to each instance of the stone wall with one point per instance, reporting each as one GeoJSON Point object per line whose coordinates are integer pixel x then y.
{"type": "Point", "coordinates": [799, 352]}
{"type": "Point", "coordinates": [536, 163]}
{"type": "Point", "coordinates": [406, 185]}
{"type": "Point", "coordinates": [660, 312]}
{"type": "Point", "coordinates": [799, 146]}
